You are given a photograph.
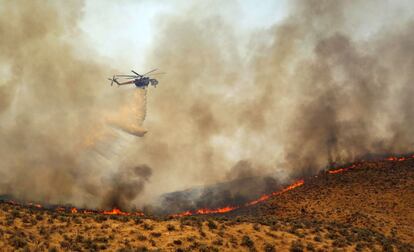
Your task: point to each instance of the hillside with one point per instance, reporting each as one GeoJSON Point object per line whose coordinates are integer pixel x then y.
{"type": "Point", "coordinates": [362, 209]}
{"type": "Point", "coordinates": [376, 195]}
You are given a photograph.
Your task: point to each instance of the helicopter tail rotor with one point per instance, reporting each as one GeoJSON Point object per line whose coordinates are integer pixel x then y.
{"type": "Point", "coordinates": [113, 80]}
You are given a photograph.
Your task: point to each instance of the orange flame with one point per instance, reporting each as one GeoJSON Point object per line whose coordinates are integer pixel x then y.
{"type": "Point", "coordinates": [290, 187]}
{"type": "Point", "coordinates": [267, 196]}
{"type": "Point", "coordinates": [340, 170]}
{"type": "Point", "coordinates": [117, 211]}
{"type": "Point", "coordinates": [226, 209]}
{"type": "Point", "coordinates": [392, 158]}
{"type": "Point", "coordinates": [35, 205]}
{"type": "Point", "coordinates": [231, 208]}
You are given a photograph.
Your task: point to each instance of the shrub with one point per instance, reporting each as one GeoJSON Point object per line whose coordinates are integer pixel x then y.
{"type": "Point", "coordinates": [246, 241]}
{"type": "Point", "coordinates": [218, 242]}
{"type": "Point", "coordinates": [156, 234]}
{"type": "Point", "coordinates": [310, 247]}
{"type": "Point", "coordinates": [138, 220]}
{"type": "Point", "coordinates": [170, 227]}
{"type": "Point", "coordinates": [147, 226]}
{"type": "Point", "coordinates": [269, 248]}
{"type": "Point", "coordinates": [296, 246]}
{"type": "Point", "coordinates": [100, 218]}
{"type": "Point", "coordinates": [191, 238]}
{"type": "Point", "coordinates": [340, 243]}
{"type": "Point", "coordinates": [317, 238]}
{"type": "Point", "coordinates": [18, 242]}
{"type": "Point", "coordinates": [142, 237]}
{"type": "Point", "coordinates": [15, 214]}
{"type": "Point", "coordinates": [177, 242]}
{"type": "Point", "coordinates": [64, 244]}
{"type": "Point", "coordinates": [211, 224]}
{"type": "Point", "coordinates": [53, 249]}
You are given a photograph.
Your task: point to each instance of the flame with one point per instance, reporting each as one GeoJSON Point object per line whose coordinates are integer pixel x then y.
{"type": "Point", "coordinates": [86, 211]}
{"type": "Point", "coordinates": [288, 188]}
{"type": "Point", "coordinates": [359, 164]}
{"type": "Point", "coordinates": [340, 170]}
{"type": "Point", "coordinates": [117, 211]}
{"type": "Point", "coordinates": [231, 208]}
{"type": "Point", "coordinates": [203, 211]}
{"type": "Point", "coordinates": [267, 196]}
{"type": "Point", "coordinates": [218, 210]}
{"type": "Point", "coordinates": [399, 159]}
{"type": "Point", "coordinates": [35, 205]}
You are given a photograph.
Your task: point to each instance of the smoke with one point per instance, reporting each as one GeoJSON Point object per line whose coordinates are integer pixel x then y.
{"type": "Point", "coordinates": [55, 142]}
{"type": "Point", "coordinates": [125, 186]}
{"type": "Point", "coordinates": [330, 83]}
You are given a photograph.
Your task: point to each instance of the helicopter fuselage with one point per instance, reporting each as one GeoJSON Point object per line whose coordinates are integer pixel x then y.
{"type": "Point", "coordinates": [142, 82]}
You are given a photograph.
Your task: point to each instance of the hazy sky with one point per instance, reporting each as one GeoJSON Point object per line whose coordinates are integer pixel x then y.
{"type": "Point", "coordinates": [123, 30]}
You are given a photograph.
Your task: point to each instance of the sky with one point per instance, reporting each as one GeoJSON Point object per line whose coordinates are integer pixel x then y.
{"type": "Point", "coordinates": [122, 31]}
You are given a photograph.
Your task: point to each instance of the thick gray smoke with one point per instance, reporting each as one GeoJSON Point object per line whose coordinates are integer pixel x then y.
{"type": "Point", "coordinates": [126, 185]}
{"type": "Point", "coordinates": [330, 83]}
{"type": "Point", "coordinates": [55, 145]}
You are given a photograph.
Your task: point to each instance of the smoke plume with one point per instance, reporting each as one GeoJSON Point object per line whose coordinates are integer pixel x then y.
{"type": "Point", "coordinates": [55, 142]}
{"type": "Point", "coordinates": [331, 82]}
{"type": "Point", "coordinates": [125, 186]}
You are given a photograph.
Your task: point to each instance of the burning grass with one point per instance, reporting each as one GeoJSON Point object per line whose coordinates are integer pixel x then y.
{"type": "Point", "coordinates": [364, 206]}
{"type": "Point", "coordinates": [226, 209]}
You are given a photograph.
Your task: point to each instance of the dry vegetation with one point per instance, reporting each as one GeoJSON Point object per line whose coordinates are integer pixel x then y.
{"type": "Point", "coordinates": [378, 196]}
{"type": "Point", "coordinates": [367, 209]}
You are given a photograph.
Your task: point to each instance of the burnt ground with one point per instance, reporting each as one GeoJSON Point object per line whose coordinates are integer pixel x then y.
{"type": "Point", "coordinates": [365, 209]}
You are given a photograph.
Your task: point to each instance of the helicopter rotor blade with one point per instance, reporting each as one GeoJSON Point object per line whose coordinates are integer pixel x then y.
{"type": "Point", "coordinates": [125, 75]}
{"type": "Point", "coordinates": [156, 74]}
{"type": "Point", "coordinates": [150, 71]}
{"type": "Point", "coordinates": [136, 73]}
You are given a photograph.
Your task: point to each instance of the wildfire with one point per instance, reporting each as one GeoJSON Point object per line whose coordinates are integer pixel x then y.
{"type": "Point", "coordinates": [359, 164]}
{"type": "Point", "coordinates": [288, 188]}
{"type": "Point", "coordinates": [206, 211]}
{"type": "Point", "coordinates": [117, 211]}
{"type": "Point", "coordinates": [399, 159]}
{"type": "Point", "coordinates": [202, 211]}
{"type": "Point", "coordinates": [35, 205]}
{"type": "Point", "coordinates": [340, 170]}
{"type": "Point", "coordinates": [267, 196]}
{"type": "Point", "coordinates": [231, 208]}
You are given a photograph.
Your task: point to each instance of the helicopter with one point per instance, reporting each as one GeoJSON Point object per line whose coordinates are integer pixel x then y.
{"type": "Point", "coordinates": [139, 80]}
